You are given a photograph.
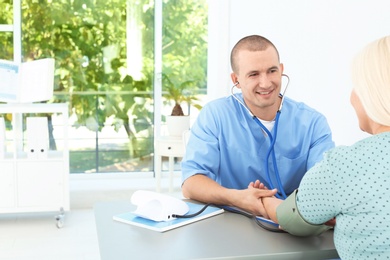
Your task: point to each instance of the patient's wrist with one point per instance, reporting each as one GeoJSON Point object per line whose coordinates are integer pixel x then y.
{"type": "Point", "coordinates": [270, 204]}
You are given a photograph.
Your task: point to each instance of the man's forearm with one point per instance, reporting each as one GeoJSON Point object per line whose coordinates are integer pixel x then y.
{"type": "Point", "coordinates": [206, 190]}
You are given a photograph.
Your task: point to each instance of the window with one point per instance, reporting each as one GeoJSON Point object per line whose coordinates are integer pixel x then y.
{"type": "Point", "coordinates": [105, 70]}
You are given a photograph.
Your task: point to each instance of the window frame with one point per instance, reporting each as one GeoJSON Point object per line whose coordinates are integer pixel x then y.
{"type": "Point", "coordinates": [16, 29]}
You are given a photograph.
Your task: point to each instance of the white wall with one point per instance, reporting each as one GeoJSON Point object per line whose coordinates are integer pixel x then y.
{"type": "Point", "coordinates": [218, 48]}
{"type": "Point", "coordinates": [316, 40]}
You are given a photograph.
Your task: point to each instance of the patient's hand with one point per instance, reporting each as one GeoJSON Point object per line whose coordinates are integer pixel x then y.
{"type": "Point", "coordinates": [331, 222]}
{"type": "Point", "coordinates": [269, 203]}
{"type": "Point", "coordinates": [257, 185]}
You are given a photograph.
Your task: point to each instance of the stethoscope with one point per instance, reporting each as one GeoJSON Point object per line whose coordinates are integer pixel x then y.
{"type": "Point", "coordinates": [271, 152]}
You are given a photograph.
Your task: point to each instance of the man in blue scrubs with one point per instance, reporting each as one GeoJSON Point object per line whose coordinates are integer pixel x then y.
{"type": "Point", "coordinates": [226, 153]}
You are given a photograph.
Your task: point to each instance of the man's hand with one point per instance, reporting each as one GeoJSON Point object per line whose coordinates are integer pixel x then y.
{"type": "Point", "coordinates": [206, 190]}
{"type": "Point", "coordinates": [250, 199]}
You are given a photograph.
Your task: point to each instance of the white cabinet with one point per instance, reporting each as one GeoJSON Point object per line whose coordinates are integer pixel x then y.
{"type": "Point", "coordinates": [31, 182]}
{"type": "Point", "coordinates": [7, 198]}
{"type": "Point", "coordinates": [40, 184]}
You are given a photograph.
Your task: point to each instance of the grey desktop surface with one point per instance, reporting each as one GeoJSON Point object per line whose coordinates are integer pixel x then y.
{"type": "Point", "coordinates": [225, 236]}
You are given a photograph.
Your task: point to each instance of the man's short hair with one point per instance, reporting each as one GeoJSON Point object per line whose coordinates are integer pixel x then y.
{"type": "Point", "coordinates": [249, 43]}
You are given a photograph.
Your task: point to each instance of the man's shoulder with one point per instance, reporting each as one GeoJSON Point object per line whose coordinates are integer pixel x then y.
{"type": "Point", "coordinates": [299, 106]}
{"type": "Point", "coordinates": [218, 102]}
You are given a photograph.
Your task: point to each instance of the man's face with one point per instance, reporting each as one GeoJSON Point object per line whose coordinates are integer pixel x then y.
{"type": "Point", "coordinates": [259, 78]}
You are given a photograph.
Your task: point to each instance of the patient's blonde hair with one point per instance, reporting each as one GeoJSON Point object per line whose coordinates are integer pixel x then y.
{"type": "Point", "coordinates": [371, 79]}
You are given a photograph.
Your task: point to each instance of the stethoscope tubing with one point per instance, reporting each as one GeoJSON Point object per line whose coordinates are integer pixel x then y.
{"type": "Point", "coordinates": [271, 152]}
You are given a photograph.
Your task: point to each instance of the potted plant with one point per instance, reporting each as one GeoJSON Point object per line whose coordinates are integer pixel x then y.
{"type": "Point", "coordinates": [177, 121]}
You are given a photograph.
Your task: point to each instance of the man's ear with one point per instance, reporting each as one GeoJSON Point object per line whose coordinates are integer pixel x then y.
{"type": "Point", "coordinates": [234, 78]}
{"type": "Point", "coordinates": [281, 67]}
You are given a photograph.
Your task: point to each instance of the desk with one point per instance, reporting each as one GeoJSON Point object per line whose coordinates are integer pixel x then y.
{"type": "Point", "coordinates": [172, 147]}
{"type": "Point", "coordinates": [227, 236]}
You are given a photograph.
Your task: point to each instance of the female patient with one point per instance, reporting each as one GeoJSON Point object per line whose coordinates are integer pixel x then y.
{"type": "Point", "coordinates": [351, 184]}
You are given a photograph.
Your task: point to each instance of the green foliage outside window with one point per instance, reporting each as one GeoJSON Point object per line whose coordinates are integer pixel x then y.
{"type": "Point", "coordinates": [89, 40]}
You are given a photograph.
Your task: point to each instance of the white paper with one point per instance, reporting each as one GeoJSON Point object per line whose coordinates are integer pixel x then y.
{"type": "Point", "coordinates": [9, 80]}
{"type": "Point", "coordinates": [26, 82]}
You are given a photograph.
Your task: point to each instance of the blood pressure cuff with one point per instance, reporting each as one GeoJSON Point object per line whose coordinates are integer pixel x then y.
{"type": "Point", "coordinates": [291, 220]}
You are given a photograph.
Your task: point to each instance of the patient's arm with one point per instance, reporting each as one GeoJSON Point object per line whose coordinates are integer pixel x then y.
{"type": "Point", "coordinates": [287, 214]}
{"type": "Point", "coordinates": [270, 205]}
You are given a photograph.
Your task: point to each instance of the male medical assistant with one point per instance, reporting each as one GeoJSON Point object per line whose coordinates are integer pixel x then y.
{"type": "Point", "coordinates": [228, 146]}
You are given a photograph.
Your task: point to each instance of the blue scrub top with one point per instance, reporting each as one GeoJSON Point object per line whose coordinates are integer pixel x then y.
{"type": "Point", "coordinates": [227, 145]}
